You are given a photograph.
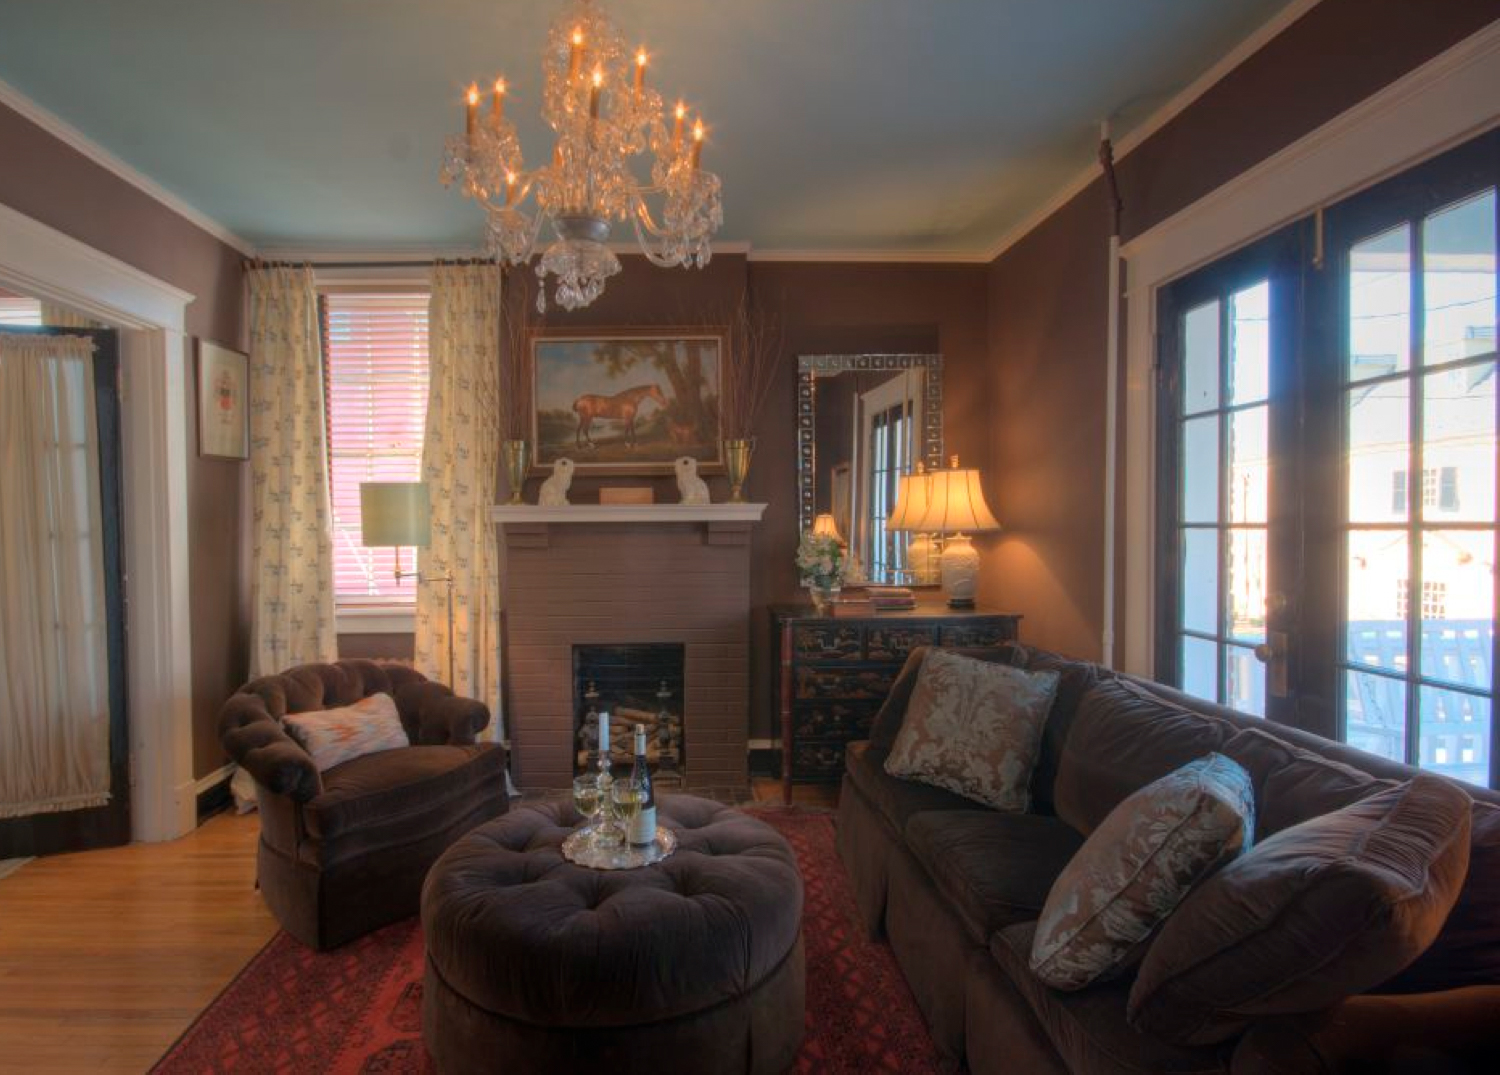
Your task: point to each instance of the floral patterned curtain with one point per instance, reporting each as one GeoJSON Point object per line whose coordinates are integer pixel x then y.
{"type": "Point", "coordinates": [460, 455]}
{"type": "Point", "coordinates": [292, 531]}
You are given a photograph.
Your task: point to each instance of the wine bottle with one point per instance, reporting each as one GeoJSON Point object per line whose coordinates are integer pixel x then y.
{"type": "Point", "coordinates": [643, 825]}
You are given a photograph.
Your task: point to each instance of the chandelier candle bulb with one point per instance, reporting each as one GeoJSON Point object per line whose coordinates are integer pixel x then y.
{"type": "Point", "coordinates": [697, 143]}
{"type": "Point", "coordinates": [575, 54]}
{"type": "Point", "coordinates": [510, 188]}
{"type": "Point", "coordinates": [677, 127]}
{"type": "Point", "coordinates": [598, 82]}
{"type": "Point", "coordinates": [471, 114]}
{"type": "Point", "coordinates": [640, 71]}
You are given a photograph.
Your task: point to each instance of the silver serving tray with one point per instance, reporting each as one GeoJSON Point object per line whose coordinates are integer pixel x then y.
{"type": "Point", "coordinates": [579, 849]}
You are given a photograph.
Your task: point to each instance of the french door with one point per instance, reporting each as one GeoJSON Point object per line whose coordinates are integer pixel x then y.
{"type": "Point", "coordinates": [1328, 476]}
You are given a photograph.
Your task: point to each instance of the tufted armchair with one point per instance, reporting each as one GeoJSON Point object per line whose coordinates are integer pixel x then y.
{"type": "Point", "coordinates": [345, 851]}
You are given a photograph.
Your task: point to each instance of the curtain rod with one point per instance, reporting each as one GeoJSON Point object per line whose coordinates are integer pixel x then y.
{"type": "Point", "coordinates": [427, 264]}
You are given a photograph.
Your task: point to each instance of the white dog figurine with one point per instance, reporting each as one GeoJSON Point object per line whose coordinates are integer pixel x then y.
{"type": "Point", "coordinates": [694, 489]}
{"type": "Point", "coordinates": [555, 489]}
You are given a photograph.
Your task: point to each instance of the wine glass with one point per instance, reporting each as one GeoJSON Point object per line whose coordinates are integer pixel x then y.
{"type": "Point", "coordinates": [627, 795]}
{"type": "Point", "coordinates": [586, 797]}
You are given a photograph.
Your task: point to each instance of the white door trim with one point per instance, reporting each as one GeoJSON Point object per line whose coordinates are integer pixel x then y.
{"type": "Point", "coordinates": [1446, 101]}
{"type": "Point", "coordinates": [46, 264]}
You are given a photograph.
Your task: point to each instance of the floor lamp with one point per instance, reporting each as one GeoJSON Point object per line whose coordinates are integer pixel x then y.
{"type": "Point", "coordinates": [398, 514]}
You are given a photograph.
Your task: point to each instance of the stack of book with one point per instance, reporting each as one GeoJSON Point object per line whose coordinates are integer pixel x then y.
{"type": "Point", "coordinates": [853, 602]}
{"type": "Point", "coordinates": [892, 598]}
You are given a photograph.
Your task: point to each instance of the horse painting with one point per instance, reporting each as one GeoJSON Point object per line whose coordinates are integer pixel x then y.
{"type": "Point", "coordinates": [620, 407]}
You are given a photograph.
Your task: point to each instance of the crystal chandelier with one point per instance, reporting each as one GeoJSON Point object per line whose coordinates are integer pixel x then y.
{"type": "Point", "coordinates": [596, 99]}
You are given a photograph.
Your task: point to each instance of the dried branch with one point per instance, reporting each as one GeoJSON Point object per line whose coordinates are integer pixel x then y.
{"type": "Point", "coordinates": [517, 326]}
{"type": "Point", "coordinates": [755, 343]}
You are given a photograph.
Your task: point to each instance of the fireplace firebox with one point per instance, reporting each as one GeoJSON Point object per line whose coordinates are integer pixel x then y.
{"type": "Point", "coordinates": [635, 683]}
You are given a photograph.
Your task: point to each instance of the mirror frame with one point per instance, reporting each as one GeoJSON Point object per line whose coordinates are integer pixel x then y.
{"type": "Point", "coordinates": [811, 367]}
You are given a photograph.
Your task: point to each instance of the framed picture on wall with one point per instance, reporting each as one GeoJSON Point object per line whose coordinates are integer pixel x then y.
{"type": "Point", "coordinates": [223, 402]}
{"type": "Point", "coordinates": [627, 401]}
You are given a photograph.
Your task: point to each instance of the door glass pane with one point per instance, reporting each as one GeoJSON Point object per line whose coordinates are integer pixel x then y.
{"type": "Point", "coordinates": [1458, 280]}
{"type": "Point", "coordinates": [1200, 580]}
{"type": "Point", "coordinates": [1379, 452]}
{"type": "Point", "coordinates": [1249, 465]}
{"type": "Point", "coordinates": [1249, 344]}
{"type": "Point", "coordinates": [1244, 681]}
{"type": "Point", "coordinates": [1200, 358]}
{"type": "Point", "coordinates": [1245, 580]}
{"type": "Point", "coordinates": [1375, 607]}
{"type": "Point", "coordinates": [1200, 470]}
{"type": "Point", "coordinates": [1458, 444]}
{"type": "Point", "coordinates": [1454, 735]}
{"type": "Point", "coordinates": [1200, 667]}
{"type": "Point", "coordinates": [1380, 304]}
{"type": "Point", "coordinates": [1375, 714]}
{"type": "Point", "coordinates": [1458, 606]}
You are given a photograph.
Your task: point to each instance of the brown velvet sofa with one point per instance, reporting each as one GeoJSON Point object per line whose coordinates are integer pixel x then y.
{"type": "Point", "coordinates": [346, 851]}
{"type": "Point", "coordinates": [957, 888]}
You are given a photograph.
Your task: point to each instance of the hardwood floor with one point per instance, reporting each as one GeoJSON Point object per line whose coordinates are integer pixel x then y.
{"type": "Point", "coordinates": [107, 956]}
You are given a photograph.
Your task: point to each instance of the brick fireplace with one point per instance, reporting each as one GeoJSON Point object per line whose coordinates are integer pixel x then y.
{"type": "Point", "coordinates": [627, 575]}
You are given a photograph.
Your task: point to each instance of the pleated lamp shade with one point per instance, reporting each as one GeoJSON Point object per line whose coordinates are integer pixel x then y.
{"type": "Point", "coordinates": [912, 492]}
{"type": "Point", "coordinates": [954, 503]}
{"type": "Point", "coordinates": [824, 526]}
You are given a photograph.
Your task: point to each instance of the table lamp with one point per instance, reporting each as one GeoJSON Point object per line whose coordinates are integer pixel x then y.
{"type": "Point", "coordinates": [824, 526]}
{"type": "Point", "coordinates": [911, 503]}
{"type": "Point", "coordinates": [955, 507]}
{"type": "Point", "coordinates": [400, 514]}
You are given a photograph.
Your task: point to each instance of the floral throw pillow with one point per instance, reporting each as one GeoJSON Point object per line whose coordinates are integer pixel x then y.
{"type": "Point", "coordinates": [1137, 866]}
{"type": "Point", "coordinates": [974, 728]}
{"type": "Point", "coordinates": [333, 736]}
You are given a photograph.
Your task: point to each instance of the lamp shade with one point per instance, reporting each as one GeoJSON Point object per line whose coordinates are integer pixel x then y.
{"type": "Point", "coordinates": [395, 513]}
{"type": "Point", "coordinates": [824, 526]}
{"type": "Point", "coordinates": [912, 494]}
{"type": "Point", "coordinates": [955, 503]}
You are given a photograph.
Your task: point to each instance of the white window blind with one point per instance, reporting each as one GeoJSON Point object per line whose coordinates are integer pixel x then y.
{"type": "Point", "coordinates": [375, 354]}
{"type": "Point", "coordinates": [15, 310]}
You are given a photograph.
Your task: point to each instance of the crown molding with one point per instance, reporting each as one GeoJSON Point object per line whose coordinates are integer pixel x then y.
{"type": "Point", "coordinates": [883, 257]}
{"type": "Point", "coordinates": [1178, 104]}
{"type": "Point", "coordinates": [76, 140]}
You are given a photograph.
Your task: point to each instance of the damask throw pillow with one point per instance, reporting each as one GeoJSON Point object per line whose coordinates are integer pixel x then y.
{"type": "Point", "coordinates": [333, 736]}
{"type": "Point", "coordinates": [974, 728]}
{"type": "Point", "coordinates": [1137, 866]}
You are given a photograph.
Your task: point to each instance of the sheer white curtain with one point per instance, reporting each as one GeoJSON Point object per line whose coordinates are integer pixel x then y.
{"type": "Point", "coordinates": [460, 454]}
{"type": "Point", "coordinates": [292, 528]}
{"type": "Point", "coordinates": [54, 663]}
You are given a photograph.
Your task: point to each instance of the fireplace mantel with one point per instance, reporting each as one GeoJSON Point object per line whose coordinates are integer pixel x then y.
{"type": "Point", "coordinates": [527, 514]}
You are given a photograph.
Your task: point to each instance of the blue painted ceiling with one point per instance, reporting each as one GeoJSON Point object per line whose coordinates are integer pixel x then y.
{"type": "Point", "coordinates": [897, 126]}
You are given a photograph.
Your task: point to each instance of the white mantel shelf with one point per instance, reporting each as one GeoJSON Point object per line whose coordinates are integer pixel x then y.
{"type": "Point", "coordinates": [628, 513]}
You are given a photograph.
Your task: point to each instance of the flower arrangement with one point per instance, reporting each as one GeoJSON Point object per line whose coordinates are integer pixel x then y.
{"type": "Point", "coordinates": [820, 559]}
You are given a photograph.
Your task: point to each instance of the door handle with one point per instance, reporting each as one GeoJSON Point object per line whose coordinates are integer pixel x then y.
{"type": "Point", "coordinates": [1273, 654]}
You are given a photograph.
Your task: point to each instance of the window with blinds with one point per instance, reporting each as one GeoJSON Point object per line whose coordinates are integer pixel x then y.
{"type": "Point", "coordinates": [375, 358]}
{"type": "Point", "coordinates": [16, 310]}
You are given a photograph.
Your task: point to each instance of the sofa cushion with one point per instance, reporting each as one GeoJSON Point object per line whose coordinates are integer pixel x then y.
{"type": "Point", "coordinates": [1137, 866]}
{"type": "Point", "coordinates": [892, 712]}
{"type": "Point", "coordinates": [1075, 680]}
{"type": "Point", "coordinates": [975, 728]}
{"type": "Point", "coordinates": [381, 792]}
{"type": "Point", "coordinates": [1316, 913]}
{"type": "Point", "coordinates": [896, 799]}
{"type": "Point", "coordinates": [334, 736]}
{"type": "Point", "coordinates": [994, 868]}
{"type": "Point", "coordinates": [1293, 784]}
{"type": "Point", "coordinates": [1088, 1027]}
{"type": "Point", "coordinates": [1122, 739]}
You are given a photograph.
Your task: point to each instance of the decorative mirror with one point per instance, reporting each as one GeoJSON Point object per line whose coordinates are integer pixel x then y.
{"type": "Point", "coordinates": [863, 421]}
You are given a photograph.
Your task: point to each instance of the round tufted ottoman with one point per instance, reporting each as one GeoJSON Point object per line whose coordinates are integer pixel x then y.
{"type": "Point", "coordinates": [692, 965]}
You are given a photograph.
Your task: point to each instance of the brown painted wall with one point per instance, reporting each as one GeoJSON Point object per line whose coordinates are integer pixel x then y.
{"type": "Point", "coordinates": [48, 181]}
{"type": "Point", "coordinates": [1047, 293]}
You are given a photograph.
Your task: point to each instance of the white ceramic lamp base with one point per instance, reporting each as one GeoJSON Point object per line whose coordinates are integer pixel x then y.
{"type": "Point", "coordinates": [960, 570]}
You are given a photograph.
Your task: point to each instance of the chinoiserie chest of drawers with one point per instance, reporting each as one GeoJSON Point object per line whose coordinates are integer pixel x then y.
{"type": "Point", "coordinates": [834, 674]}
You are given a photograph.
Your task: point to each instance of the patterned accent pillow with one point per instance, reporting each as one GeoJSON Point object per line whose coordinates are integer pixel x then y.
{"type": "Point", "coordinates": [974, 728]}
{"type": "Point", "coordinates": [1137, 866]}
{"type": "Point", "coordinates": [333, 736]}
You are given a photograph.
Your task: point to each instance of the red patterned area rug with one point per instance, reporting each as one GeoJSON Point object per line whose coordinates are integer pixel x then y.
{"type": "Point", "coordinates": [359, 1009]}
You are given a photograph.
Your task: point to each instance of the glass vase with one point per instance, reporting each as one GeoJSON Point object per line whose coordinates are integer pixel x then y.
{"type": "Point", "coordinates": [516, 455]}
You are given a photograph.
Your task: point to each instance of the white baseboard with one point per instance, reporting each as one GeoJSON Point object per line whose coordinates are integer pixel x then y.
{"type": "Point", "coordinates": [213, 779]}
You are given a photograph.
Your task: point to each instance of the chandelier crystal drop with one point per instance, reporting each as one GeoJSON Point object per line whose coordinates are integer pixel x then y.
{"type": "Point", "coordinates": [597, 101]}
